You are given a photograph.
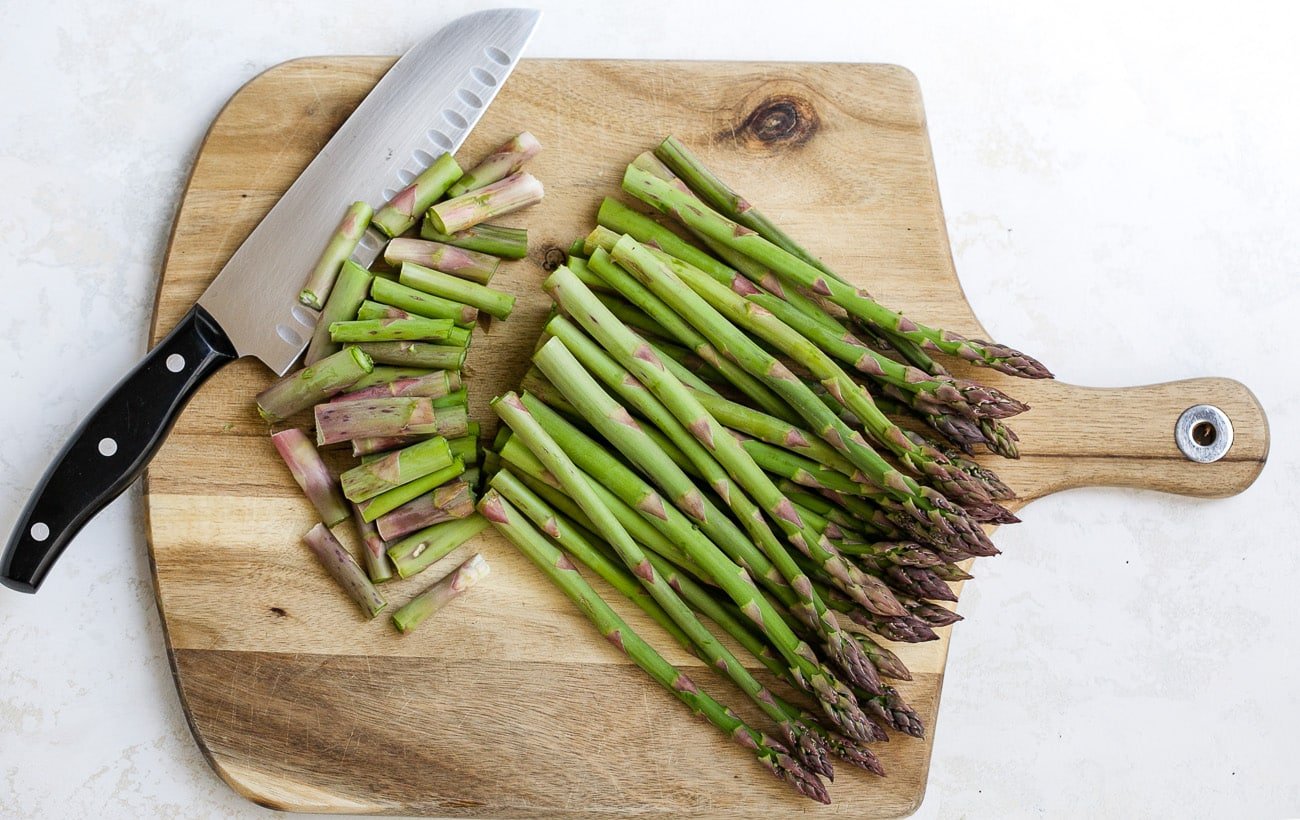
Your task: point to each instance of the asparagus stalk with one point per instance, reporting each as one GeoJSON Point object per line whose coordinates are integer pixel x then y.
{"type": "Point", "coordinates": [635, 355]}
{"type": "Point", "coordinates": [698, 638]}
{"type": "Point", "coordinates": [421, 550]}
{"type": "Point", "coordinates": [691, 211]}
{"type": "Point", "coordinates": [363, 447]}
{"type": "Point", "coordinates": [371, 478]}
{"type": "Point", "coordinates": [384, 374]}
{"type": "Point", "coordinates": [373, 554]}
{"type": "Point", "coordinates": [415, 354]}
{"type": "Point", "coordinates": [345, 299]}
{"type": "Point", "coordinates": [471, 265]}
{"type": "Point", "coordinates": [495, 240]}
{"type": "Point", "coordinates": [390, 330]}
{"type": "Point", "coordinates": [431, 384]}
{"type": "Point", "coordinates": [505, 196]}
{"type": "Point", "coordinates": [341, 245]}
{"type": "Point", "coordinates": [390, 500]}
{"type": "Point", "coordinates": [422, 304]}
{"type": "Point", "coordinates": [449, 502]}
{"type": "Point", "coordinates": [493, 302]}
{"type": "Point", "coordinates": [557, 567]}
{"type": "Point", "coordinates": [933, 511]}
{"type": "Point", "coordinates": [344, 569]}
{"type": "Point", "coordinates": [501, 163]}
{"type": "Point", "coordinates": [375, 310]}
{"type": "Point", "coordinates": [313, 384]}
{"type": "Point", "coordinates": [404, 209]}
{"type": "Point", "coordinates": [311, 474]}
{"type": "Point", "coordinates": [458, 581]}
{"type": "Point", "coordinates": [458, 399]}
{"type": "Point", "coordinates": [837, 701]}
{"type": "Point", "coordinates": [367, 418]}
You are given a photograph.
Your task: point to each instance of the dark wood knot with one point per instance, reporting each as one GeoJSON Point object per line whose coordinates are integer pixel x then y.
{"type": "Point", "coordinates": [781, 121]}
{"type": "Point", "coordinates": [554, 257]}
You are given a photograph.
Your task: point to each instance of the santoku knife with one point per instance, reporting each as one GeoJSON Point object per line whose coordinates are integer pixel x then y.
{"type": "Point", "coordinates": [424, 106]}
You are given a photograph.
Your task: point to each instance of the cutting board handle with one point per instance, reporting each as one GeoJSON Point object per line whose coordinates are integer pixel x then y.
{"type": "Point", "coordinates": [1126, 437]}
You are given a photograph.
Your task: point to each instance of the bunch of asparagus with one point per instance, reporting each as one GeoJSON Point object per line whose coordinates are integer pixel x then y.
{"type": "Point", "coordinates": [736, 439]}
{"type": "Point", "coordinates": [382, 376]}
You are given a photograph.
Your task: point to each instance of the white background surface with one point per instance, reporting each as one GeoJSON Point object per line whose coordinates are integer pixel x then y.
{"type": "Point", "coordinates": [1122, 190]}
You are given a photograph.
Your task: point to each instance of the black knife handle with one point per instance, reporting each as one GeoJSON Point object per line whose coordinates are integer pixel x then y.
{"type": "Point", "coordinates": [113, 446]}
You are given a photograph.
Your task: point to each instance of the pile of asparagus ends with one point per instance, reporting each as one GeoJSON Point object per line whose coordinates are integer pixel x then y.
{"type": "Point", "coordinates": [382, 378]}
{"type": "Point", "coordinates": [741, 442]}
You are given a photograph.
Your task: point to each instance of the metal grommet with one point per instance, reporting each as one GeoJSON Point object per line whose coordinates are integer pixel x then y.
{"type": "Point", "coordinates": [1203, 433]}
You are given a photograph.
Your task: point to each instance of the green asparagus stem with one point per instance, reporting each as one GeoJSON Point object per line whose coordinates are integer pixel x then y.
{"type": "Point", "coordinates": [371, 478]}
{"type": "Point", "coordinates": [341, 245]}
{"type": "Point", "coordinates": [415, 354]}
{"type": "Point", "coordinates": [459, 398]}
{"type": "Point", "coordinates": [495, 240]}
{"type": "Point", "coordinates": [506, 196]}
{"type": "Point", "coordinates": [561, 571]}
{"type": "Point", "coordinates": [338, 562]}
{"type": "Point", "coordinates": [817, 679]}
{"type": "Point", "coordinates": [579, 267]}
{"type": "Point", "coordinates": [367, 418]}
{"type": "Point", "coordinates": [367, 447]}
{"type": "Point", "coordinates": [632, 353]}
{"type": "Point", "coordinates": [375, 310]}
{"type": "Point", "coordinates": [491, 301]}
{"type": "Point", "coordinates": [419, 551]}
{"type": "Point", "coordinates": [538, 385]}
{"type": "Point", "coordinates": [471, 265]}
{"type": "Point", "coordinates": [390, 500]}
{"type": "Point", "coordinates": [345, 299]}
{"type": "Point", "coordinates": [401, 212]}
{"type": "Point", "coordinates": [458, 581]}
{"type": "Point", "coordinates": [390, 330]}
{"type": "Point", "coordinates": [691, 211]}
{"type": "Point", "coordinates": [378, 567]}
{"type": "Point", "coordinates": [800, 470]}
{"type": "Point", "coordinates": [432, 384]}
{"type": "Point", "coordinates": [797, 736]}
{"type": "Point", "coordinates": [932, 509]}
{"type": "Point", "coordinates": [422, 304]}
{"type": "Point", "coordinates": [451, 501]}
{"type": "Point", "coordinates": [501, 163]}
{"type": "Point", "coordinates": [313, 384]}
{"type": "Point", "coordinates": [311, 474]}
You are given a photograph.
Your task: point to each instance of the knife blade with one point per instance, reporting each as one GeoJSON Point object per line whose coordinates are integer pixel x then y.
{"type": "Point", "coordinates": [424, 106]}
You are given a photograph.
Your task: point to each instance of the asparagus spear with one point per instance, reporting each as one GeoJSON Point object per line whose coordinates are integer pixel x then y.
{"type": "Point", "coordinates": [634, 354]}
{"type": "Point", "coordinates": [697, 638]}
{"type": "Point", "coordinates": [422, 304]}
{"type": "Point", "coordinates": [419, 551]}
{"type": "Point", "coordinates": [390, 500]}
{"type": "Point", "coordinates": [374, 310]}
{"type": "Point", "coordinates": [432, 384]}
{"type": "Point", "coordinates": [371, 478]}
{"type": "Point", "coordinates": [363, 447]}
{"type": "Point", "coordinates": [496, 240]}
{"type": "Point", "coordinates": [491, 301]}
{"type": "Point", "coordinates": [406, 416]}
{"type": "Point", "coordinates": [311, 474]}
{"type": "Point", "coordinates": [691, 211]}
{"type": "Point", "coordinates": [466, 264]}
{"type": "Point", "coordinates": [551, 561]}
{"type": "Point", "coordinates": [415, 354]}
{"type": "Point", "coordinates": [389, 330]}
{"type": "Point", "coordinates": [503, 197]}
{"type": "Point", "coordinates": [373, 554]}
{"type": "Point", "coordinates": [345, 299]}
{"type": "Point", "coordinates": [835, 699]}
{"type": "Point", "coordinates": [449, 502]}
{"type": "Point", "coordinates": [340, 247]}
{"type": "Point", "coordinates": [499, 164]}
{"type": "Point", "coordinates": [338, 562]}
{"type": "Point", "coordinates": [313, 384]}
{"type": "Point", "coordinates": [458, 581]}
{"type": "Point", "coordinates": [405, 208]}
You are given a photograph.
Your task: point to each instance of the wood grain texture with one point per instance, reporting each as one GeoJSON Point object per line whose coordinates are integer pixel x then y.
{"type": "Point", "coordinates": [510, 705]}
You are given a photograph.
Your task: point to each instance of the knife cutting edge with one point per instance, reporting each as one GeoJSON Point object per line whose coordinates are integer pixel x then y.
{"type": "Point", "coordinates": [426, 105]}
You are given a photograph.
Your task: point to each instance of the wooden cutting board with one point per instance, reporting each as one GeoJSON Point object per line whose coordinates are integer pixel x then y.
{"type": "Point", "coordinates": [509, 704]}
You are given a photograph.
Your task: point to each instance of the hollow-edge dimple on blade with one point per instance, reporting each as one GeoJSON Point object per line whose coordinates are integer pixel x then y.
{"type": "Point", "coordinates": [425, 105]}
